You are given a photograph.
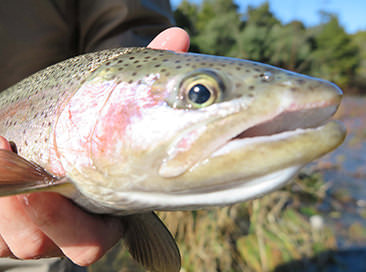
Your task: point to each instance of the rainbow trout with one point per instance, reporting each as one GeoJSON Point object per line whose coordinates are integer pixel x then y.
{"type": "Point", "coordinates": [129, 131]}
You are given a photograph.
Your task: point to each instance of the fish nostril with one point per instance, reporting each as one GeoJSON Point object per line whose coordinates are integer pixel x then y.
{"type": "Point", "coordinates": [266, 76]}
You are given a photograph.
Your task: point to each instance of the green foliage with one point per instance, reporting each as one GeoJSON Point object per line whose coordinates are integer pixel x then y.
{"type": "Point", "coordinates": [335, 57]}
{"type": "Point", "coordinates": [326, 51]}
{"type": "Point", "coordinates": [290, 47]}
{"type": "Point", "coordinates": [360, 79]}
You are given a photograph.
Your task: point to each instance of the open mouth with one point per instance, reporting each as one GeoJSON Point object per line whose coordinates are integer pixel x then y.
{"type": "Point", "coordinates": [290, 121]}
{"type": "Point", "coordinates": [284, 125]}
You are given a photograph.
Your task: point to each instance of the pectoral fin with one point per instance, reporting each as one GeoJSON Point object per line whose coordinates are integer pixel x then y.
{"type": "Point", "coordinates": [17, 175]}
{"type": "Point", "coordinates": [151, 244]}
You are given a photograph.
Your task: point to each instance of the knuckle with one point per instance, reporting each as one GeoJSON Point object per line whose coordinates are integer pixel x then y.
{"type": "Point", "coordinates": [35, 249]}
{"type": "Point", "coordinates": [87, 256]}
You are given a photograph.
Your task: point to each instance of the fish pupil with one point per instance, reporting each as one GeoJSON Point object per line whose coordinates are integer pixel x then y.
{"type": "Point", "coordinates": [199, 94]}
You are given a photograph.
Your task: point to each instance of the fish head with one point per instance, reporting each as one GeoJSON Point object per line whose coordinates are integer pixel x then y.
{"type": "Point", "coordinates": [182, 130]}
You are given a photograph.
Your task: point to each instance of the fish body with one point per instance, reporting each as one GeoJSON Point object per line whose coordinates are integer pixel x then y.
{"type": "Point", "coordinates": [135, 130]}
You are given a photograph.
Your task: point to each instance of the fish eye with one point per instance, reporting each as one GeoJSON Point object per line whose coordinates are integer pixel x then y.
{"type": "Point", "coordinates": [201, 89]}
{"type": "Point", "coordinates": [199, 94]}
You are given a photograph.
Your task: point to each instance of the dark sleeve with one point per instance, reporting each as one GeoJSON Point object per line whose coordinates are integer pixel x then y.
{"type": "Point", "coordinates": [33, 34]}
{"type": "Point", "coordinates": [37, 33]}
{"type": "Point", "coordinates": [115, 23]}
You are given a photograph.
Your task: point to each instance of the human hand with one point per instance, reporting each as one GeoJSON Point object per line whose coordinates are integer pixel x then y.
{"type": "Point", "coordinates": [41, 225]}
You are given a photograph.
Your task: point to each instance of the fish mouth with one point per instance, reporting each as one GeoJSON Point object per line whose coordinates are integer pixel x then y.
{"type": "Point", "coordinates": [289, 121]}
{"type": "Point", "coordinates": [283, 125]}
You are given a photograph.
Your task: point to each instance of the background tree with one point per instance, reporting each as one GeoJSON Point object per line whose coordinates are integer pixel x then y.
{"type": "Point", "coordinates": [335, 57]}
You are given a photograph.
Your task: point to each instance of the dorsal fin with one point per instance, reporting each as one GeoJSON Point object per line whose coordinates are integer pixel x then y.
{"type": "Point", "coordinates": [150, 243]}
{"type": "Point", "coordinates": [18, 175]}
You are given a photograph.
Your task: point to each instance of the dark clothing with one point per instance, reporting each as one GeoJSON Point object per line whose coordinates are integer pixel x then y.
{"type": "Point", "coordinates": [37, 33]}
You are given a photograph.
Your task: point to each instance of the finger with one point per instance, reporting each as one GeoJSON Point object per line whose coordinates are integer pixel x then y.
{"type": "Point", "coordinates": [82, 237]}
{"type": "Point", "coordinates": [4, 144]}
{"type": "Point", "coordinates": [173, 38]}
{"type": "Point", "coordinates": [23, 238]}
{"type": "Point", "coordinates": [4, 249]}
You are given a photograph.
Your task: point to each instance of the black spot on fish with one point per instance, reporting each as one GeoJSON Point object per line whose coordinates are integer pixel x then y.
{"type": "Point", "coordinates": [13, 147]}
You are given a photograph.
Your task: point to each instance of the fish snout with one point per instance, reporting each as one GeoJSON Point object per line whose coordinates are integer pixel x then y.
{"type": "Point", "coordinates": [308, 92]}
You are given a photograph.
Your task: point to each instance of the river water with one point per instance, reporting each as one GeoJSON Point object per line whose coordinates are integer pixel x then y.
{"type": "Point", "coordinates": [344, 208]}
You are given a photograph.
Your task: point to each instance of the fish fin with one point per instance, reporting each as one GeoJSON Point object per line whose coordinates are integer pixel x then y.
{"type": "Point", "coordinates": [18, 175]}
{"type": "Point", "coordinates": [151, 244]}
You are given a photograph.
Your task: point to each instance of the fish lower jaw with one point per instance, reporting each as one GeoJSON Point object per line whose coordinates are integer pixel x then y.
{"type": "Point", "coordinates": [220, 196]}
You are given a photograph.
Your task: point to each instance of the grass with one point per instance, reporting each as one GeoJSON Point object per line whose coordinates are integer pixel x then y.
{"type": "Point", "coordinates": [255, 236]}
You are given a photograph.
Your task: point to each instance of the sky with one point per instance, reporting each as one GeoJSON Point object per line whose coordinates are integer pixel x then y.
{"type": "Point", "coordinates": [351, 13]}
